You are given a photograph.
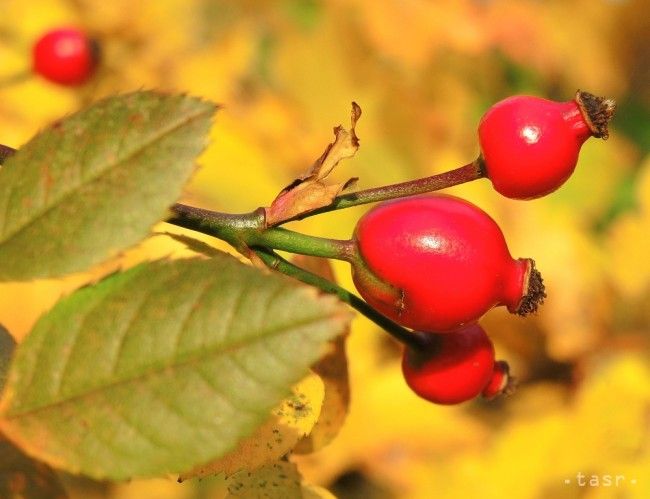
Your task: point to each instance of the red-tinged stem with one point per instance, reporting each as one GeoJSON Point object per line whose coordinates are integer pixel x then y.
{"type": "Point", "coordinates": [460, 175]}
{"type": "Point", "coordinates": [188, 215]}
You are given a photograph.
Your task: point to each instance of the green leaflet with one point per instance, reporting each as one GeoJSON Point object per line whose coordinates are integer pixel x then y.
{"type": "Point", "coordinates": [163, 367]}
{"type": "Point", "coordinates": [93, 184]}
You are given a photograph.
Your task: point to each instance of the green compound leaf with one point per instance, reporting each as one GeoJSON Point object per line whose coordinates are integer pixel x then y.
{"type": "Point", "coordinates": [163, 367]}
{"type": "Point", "coordinates": [94, 183]}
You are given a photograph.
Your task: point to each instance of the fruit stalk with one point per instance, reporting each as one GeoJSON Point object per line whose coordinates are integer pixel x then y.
{"type": "Point", "coordinates": [413, 340]}
{"type": "Point", "coordinates": [247, 230]}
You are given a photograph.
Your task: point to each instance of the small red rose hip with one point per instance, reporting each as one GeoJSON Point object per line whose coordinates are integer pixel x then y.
{"type": "Point", "coordinates": [530, 146]}
{"type": "Point", "coordinates": [436, 262]}
{"type": "Point", "coordinates": [501, 383]}
{"type": "Point", "coordinates": [66, 56]}
{"type": "Point", "coordinates": [450, 368]}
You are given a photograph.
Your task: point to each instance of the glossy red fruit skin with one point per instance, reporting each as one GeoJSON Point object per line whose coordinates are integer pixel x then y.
{"type": "Point", "coordinates": [66, 56]}
{"type": "Point", "coordinates": [530, 146]}
{"type": "Point", "coordinates": [446, 257]}
{"type": "Point", "coordinates": [454, 368]}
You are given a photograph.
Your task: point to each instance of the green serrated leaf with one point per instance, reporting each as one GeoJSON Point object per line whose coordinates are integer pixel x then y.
{"type": "Point", "coordinates": [163, 367]}
{"type": "Point", "coordinates": [7, 346]}
{"type": "Point", "coordinates": [94, 183]}
{"type": "Point", "coordinates": [23, 478]}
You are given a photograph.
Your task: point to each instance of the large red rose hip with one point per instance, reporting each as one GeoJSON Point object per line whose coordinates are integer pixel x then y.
{"type": "Point", "coordinates": [530, 146]}
{"type": "Point", "coordinates": [436, 262]}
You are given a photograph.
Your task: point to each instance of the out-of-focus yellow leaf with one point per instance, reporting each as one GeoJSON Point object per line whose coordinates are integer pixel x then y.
{"type": "Point", "coordinates": [628, 244]}
{"type": "Point", "coordinates": [572, 265]}
{"type": "Point", "coordinates": [432, 27]}
{"type": "Point", "coordinates": [622, 382]}
{"type": "Point", "coordinates": [310, 191]}
{"type": "Point", "coordinates": [234, 165]}
{"type": "Point", "coordinates": [158, 488]}
{"type": "Point", "coordinates": [386, 418]}
{"type": "Point", "coordinates": [333, 372]}
{"type": "Point", "coordinates": [278, 480]}
{"type": "Point", "coordinates": [315, 492]}
{"type": "Point", "coordinates": [289, 422]}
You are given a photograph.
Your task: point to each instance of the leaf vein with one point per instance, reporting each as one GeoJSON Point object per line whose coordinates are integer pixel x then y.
{"type": "Point", "coordinates": [189, 361]}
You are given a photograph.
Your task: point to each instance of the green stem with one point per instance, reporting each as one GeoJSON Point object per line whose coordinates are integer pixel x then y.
{"type": "Point", "coordinates": [296, 242]}
{"type": "Point", "coordinates": [274, 261]}
{"type": "Point", "coordinates": [246, 230]}
{"type": "Point", "coordinates": [225, 226]}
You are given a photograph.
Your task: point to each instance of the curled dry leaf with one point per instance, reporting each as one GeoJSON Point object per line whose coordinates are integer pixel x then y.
{"type": "Point", "coordinates": [311, 191]}
{"type": "Point", "coordinates": [333, 372]}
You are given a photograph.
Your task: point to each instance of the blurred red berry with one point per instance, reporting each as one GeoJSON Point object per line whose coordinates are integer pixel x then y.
{"type": "Point", "coordinates": [66, 56]}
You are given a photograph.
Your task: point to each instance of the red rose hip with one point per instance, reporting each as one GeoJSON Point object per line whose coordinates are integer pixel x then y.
{"type": "Point", "coordinates": [66, 56]}
{"type": "Point", "coordinates": [530, 146]}
{"type": "Point", "coordinates": [450, 368]}
{"type": "Point", "coordinates": [436, 262]}
{"type": "Point", "coordinates": [500, 383]}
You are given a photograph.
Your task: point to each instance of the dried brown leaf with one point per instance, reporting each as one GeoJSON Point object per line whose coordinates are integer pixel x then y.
{"type": "Point", "coordinates": [311, 191]}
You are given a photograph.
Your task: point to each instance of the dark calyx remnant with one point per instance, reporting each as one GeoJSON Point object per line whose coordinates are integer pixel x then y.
{"type": "Point", "coordinates": [535, 294]}
{"type": "Point", "coordinates": [597, 111]}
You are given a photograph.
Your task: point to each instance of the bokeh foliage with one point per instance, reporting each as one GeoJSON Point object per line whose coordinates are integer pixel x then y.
{"type": "Point", "coordinates": [423, 72]}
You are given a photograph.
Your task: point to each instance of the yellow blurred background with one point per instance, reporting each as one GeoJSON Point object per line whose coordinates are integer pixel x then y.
{"type": "Point", "coordinates": [423, 72]}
